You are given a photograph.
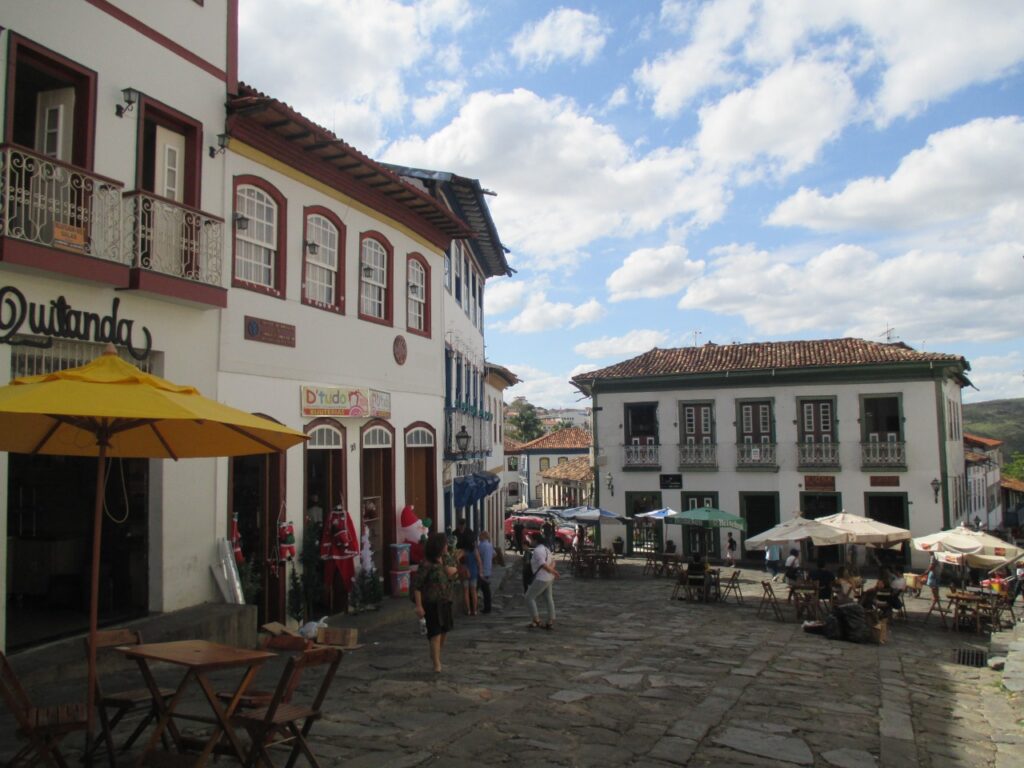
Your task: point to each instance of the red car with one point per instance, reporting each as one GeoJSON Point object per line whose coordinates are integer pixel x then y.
{"type": "Point", "coordinates": [532, 525]}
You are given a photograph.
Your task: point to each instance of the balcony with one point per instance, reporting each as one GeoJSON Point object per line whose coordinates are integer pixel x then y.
{"type": "Point", "coordinates": [175, 250]}
{"type": "Point", "coordinates": [698, 456]}
{"type": "Point", "coordinates": [817, 455]}
{"type": "Point", "coordinates": [755, 456]}
{"type": "Point", "coordinates": [877, 455]}
{"type": "Point", "coordinates": [641, 456]}
{"type": "Point", "coordinates": [479, 426]}
{"type": "Point", "coordinates": [60, 218]}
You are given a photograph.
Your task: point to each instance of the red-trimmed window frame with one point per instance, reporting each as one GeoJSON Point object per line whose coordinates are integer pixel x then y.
{"type": "Point", "coordinates": [419, 259]}
{"type": "Point", "coordinates": [389, 292]}
{"type": "Point", "coordinates": [280, 282]}
{"type": "Point", "coordinates": [338, 306]}
{"type": "Point", "coordinates": [84, 79]}
{"type": "Point", "coordinates": [161, 114]}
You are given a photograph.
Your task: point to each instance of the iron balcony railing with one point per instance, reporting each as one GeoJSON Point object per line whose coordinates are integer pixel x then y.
{"type": "Point", "coordinates": [698, 455]}
{"type": "Point", "coordinates": [57, 205]}
{"type": "Point", "coordinates": [818, 454]}
{"type": "Point", "coordinates": [755, 455]}
{"type": "Point", "coordinates": [889, 454]}
{"type": "Point", "coordinates": [641, 455]}
{"type": "Point", "coordinates": [477, 425]}
{"type": "Point", "coordinates": [173, 239]}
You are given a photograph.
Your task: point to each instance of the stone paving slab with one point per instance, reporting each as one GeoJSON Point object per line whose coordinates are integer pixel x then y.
{"type": "Point", "coordinates": [630, 678]}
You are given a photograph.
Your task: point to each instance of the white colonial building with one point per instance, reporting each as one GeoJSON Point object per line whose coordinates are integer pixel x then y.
{"type": "Point", "coordinates": [771, 430]}
{"type": "Point", "coordinates": [547, 451]}
{"type": "Point", "coordinates": [984, 460]}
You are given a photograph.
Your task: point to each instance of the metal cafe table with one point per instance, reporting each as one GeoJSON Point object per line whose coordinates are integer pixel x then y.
{"type": "Point", "coordinates": [199, 658]}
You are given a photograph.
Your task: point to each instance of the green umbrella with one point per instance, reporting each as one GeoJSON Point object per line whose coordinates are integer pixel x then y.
{"type": "Point", "coordinates": [707, 517]}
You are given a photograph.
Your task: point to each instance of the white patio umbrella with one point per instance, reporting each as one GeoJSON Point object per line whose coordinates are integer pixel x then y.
{"type": "Point", "coordinates": [657, 514]}
{"type": "Point", "coordinates": [964, 546]}
{"type": "Point", "coordinates": [864, 530]}
{"type": "Point", "coordinates": [799, 529]}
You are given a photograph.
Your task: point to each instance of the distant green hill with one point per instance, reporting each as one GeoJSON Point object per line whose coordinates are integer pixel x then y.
{"type": "Point", "coordinates": [999, 419]}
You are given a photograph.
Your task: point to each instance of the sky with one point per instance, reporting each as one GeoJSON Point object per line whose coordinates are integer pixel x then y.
{"type": "Point", "coordinates": [678, 172]}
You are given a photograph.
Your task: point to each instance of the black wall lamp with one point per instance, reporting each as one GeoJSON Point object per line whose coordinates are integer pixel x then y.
{"type": "Point", "coordinates": [222, 145]}
{"type": "Point", "coordinates": [609, 483]}
{"type": "Point", "coordinates": [241, 221]}
{"type": "Point", "coordinates": [130, 97]}
{"type": "Point", "coordinates": [936, 485]}
{"type": "Point", "coordinates": [462, 439]}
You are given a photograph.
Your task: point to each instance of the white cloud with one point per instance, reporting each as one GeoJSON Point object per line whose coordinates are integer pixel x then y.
{"type": "Point", "coordinates": [633, 343]}
{"type": "Point", "coordinates": [850, 290]}
{"type": "Point", "coordinates": [648, 273]}
{"type": "Point", "coordinates": [619, 98]}
{"type": "Point", "coordinates": [676, 77]}
{"type": "Point", "coordinates": [594, 185]}
{"type": "Point", "coordinates": [427, 109]}
{"type": "Point", "coordinates": [540, 315]}
{"type": "Point", "coordinates": [543, 388]}
{"type": "Point", "coordinates": [564, 34]}
{"type": "Point", "coordinates": [960, 173]}
{"type": "Point", "coordinates": [786, 118]}
{"type": "Point", "coordinates": [286, 54]}
{"type": "Point", "coordinates": [503, 296]}
{"type": "Point", "coordinates": [996, 377]}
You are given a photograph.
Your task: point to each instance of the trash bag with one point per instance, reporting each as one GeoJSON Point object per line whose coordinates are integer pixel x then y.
{"type": "Point", "coordinates": [852, 623]}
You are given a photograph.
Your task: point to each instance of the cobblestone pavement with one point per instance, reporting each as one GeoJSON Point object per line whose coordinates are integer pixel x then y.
{"type": "Point", "coordinates": [630, 678]}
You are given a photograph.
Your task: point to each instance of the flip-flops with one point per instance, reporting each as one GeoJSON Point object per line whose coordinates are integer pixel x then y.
{"type": "Point", "coordinates": [534, 625]}
{"type": "Point", "coordinates": [549, 626]}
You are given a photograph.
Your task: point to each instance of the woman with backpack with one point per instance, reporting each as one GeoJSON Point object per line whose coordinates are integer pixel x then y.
{"type": "Point", "coordinates": [542, 575]}
{"type": "Point", "coordinates": [433, 594]}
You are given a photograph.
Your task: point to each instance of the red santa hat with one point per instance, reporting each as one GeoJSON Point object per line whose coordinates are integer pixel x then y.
{"type": "Point", "coordinates": [408, 517]}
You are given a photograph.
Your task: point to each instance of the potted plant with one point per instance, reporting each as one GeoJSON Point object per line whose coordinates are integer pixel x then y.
{"type": "Point", "coordinates": [617, 545]}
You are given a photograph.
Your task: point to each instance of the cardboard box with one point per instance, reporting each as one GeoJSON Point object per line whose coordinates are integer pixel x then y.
{"type": "Point", "coordinates": [880, 632]}
{"type": "Point", "coordinates": [343, 638]}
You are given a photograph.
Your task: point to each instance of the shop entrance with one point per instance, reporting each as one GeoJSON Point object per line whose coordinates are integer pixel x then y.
{"type": "Point", "coordinates": [378, 494]}
{"type": "Point", "coordinates": [813, 506]}
{"type": "Point", "coordinates": [697, 538]}
{"type": "Point", "coordinates": [49, 545]}
{"type": "Point", "coordinates": [889, 508]}
{"type": "Point", "coordinates": [325, 490]}
{"type": "Point", "coordinates": [257, 498]}
{"type": "Point", "coordinates": [761, 511]}
{"type": "Point", "coordinates": [420, 475]}
{"type": "Point", "coordinates": [644, 535]}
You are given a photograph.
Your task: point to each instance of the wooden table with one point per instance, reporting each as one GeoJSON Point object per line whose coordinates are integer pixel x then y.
{"type": "Point", "coordinates": [966, 605]}
{"type": "Point", "coordinates": [806, 600]}
{"type": "Point", "coordinates": [199, 658]}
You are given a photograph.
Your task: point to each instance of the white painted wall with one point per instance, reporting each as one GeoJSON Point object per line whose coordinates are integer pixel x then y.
{"type": "Point", "coordinates": [921, 431]}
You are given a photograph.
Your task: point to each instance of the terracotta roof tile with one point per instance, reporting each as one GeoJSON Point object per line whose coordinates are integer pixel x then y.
{"type": "Point", "coordinates": [973, 457]}
{"type": "Point", "coordinates": [719, 358]}
{"type": "Point", "coordinates": [978, 440]}
{"type": "Point", "coordinates": [577, 470]}
{"type": "Point", "coordinates": [511, 446]}
{"type": "Point", "coordinates": [570, 437]}
{"type": "Point", "coordinates": [1012, 484]}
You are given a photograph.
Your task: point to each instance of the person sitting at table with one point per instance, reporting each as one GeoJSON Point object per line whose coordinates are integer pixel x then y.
{"type": "Point", "coordinates": [883, 585]}
{"type": "Point", "coordinates": [698, 572]}
{"type": "Point", "coordinates": [845, 585]}
{"type": "Point", "coordinates": [824, 577]}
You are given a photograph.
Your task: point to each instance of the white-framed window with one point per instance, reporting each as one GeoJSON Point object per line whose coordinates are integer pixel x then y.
{"type": "Point", "coordinates": [457, 256]}
{"type": "Point", "coordinates": [419, 438]}
{"type": "Point", "coordinates": [472, 299]}
{"type": "Point", "coordinates": [465, 276]}
{"type": "Point", "coordinates": [256, 245]}
{"type": "Point", "coordinates": [325, 438]}
{"type": "Point", "coordinates": [373, 279]}
{"type": "Point", "coordinates": [321, 266]}
{"type": "Point", "coordinates": [448, 272]}
{"type": "Point", "coordinates": [377, 437]}
{"type": "Point", "coordinates": [417, 299]}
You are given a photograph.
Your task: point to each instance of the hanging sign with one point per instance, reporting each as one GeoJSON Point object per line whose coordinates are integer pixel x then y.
{"type": "Point", "coordinates": [344, 402]}
{"type": "Point", "coordinates": [269, 331]}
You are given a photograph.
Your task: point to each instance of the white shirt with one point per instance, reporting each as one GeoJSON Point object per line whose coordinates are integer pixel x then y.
{"type": "Point", "coordinates": [541, 556]}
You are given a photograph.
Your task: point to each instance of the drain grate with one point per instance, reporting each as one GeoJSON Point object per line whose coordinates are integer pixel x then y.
{"type": "Point", "coordinates": [970, 657]}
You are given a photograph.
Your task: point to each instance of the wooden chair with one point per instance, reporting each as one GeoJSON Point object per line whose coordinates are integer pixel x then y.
{"type": "Point", "coordinates": [937, 607]}
{"type": "Point", "coordinates": [113, 706]}
{"type": "Point", "coordinates": [768, 599]}
{"type": "Point", "coordinates": [42, 727]}
{"type": "Point", "coordinates": [281, 718]}
{"type": "Point", "coordinates": [732, 587]}
{"type": "Point", "coordinates": [806, 599]}
{"type": "Point", "coordinates": [262, 698]}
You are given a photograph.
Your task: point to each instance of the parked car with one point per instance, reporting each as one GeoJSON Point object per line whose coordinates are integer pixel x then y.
{"type": "Point", "coordinates": [532, 525]}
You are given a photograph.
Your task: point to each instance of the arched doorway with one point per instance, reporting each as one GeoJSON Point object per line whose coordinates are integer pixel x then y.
{"type": "Point", "coordinates": [325, 490]}
{"type": "Point", "coordinates": [377, 489]}
{"type": "Point", "coordinates": [420, 475]}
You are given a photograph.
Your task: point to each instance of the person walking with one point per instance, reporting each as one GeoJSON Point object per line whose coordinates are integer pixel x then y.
{"type": "Point", "coordinates": [433, 593]}
{"type": "Point", "coordinates": [544, 574]}
{"type": "Point", "coordinates": [469, 558]}
{"type": "Point", "coordinates": [730, 550]}
{"type": "Point", "coordinates": [485, 552]}
{"type": "Point", "coordinates": [773, 559]}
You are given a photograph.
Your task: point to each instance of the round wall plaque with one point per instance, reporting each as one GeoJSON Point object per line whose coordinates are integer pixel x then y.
{"type": "Point", "coordinates": [400, 350]}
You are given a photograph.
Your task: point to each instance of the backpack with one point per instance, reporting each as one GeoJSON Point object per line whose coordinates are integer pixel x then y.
{"type": "Point", "coordinates": [528, 573]}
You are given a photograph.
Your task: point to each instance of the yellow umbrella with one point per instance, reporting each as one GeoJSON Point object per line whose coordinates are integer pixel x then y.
{"type": "Point", "coordinates": [110, 408]}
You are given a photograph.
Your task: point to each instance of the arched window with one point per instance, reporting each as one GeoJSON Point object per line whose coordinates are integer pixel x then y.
{"type": "Point", "coordinates": [377, 437]}
{"type": "Point", "coordinates": [419, 438]}
{"type": "Point", "coordinates": [545, 463]}
{"type": "Point", "coordinates": [325, 438]}
{"type": "Point", "coordinates": [258, 236]}
{"type": "Point", "coordinates": [418, 305]}
{"type": "Point", "coordinates": [323, 275]}
{"type": "Point", "coordinates": [375, 279]}
{"type": "Point", "coordinates": [563, 460]}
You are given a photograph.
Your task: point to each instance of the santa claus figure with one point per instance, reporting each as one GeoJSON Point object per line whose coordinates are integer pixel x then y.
{"type": "Point", "coordinates": [339, 546]}
{"type": "Point", "coordinates": [413, 532]}
{"type": "Point", "coordinates": [286, 540]}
